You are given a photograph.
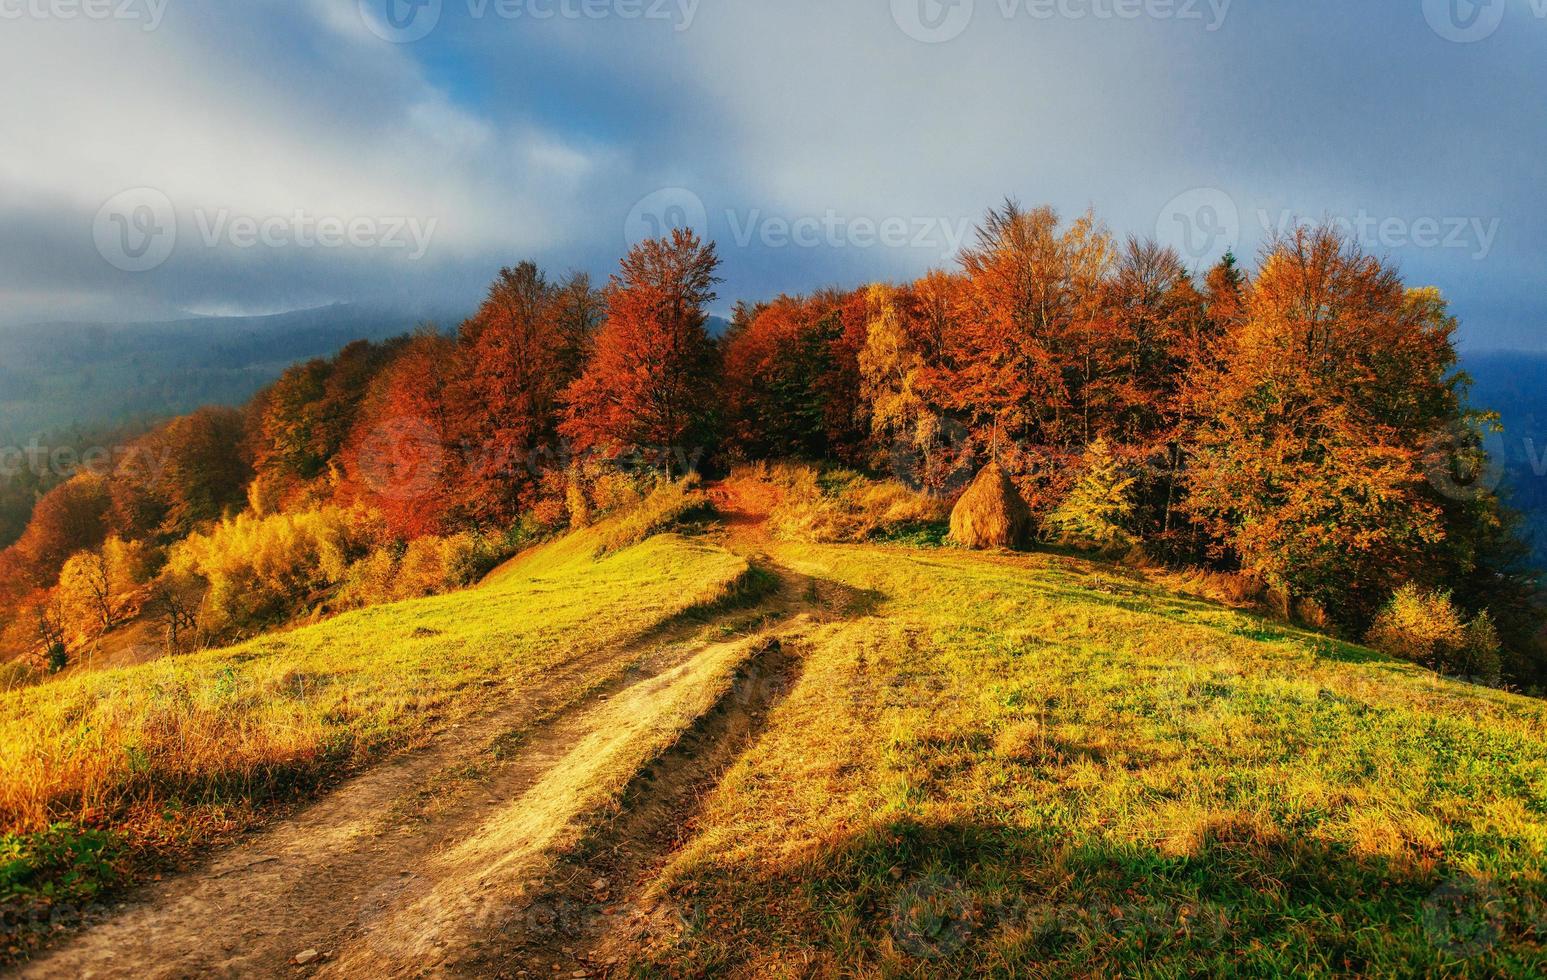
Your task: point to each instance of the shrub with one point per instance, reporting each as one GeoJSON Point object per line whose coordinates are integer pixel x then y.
{"type": "Point", "coordinates": [575, 500]}
{"type": "Point", "coordinates": [370, 580]}
{"type": "Point", "coordinates": [433, 565]}
{"type": "Point", "coordinates": [429, 565]}
{"type": "Point", "coordinates": [1426, 627]}
{"type": "Point", "coordinates": [838, 506]}
{"type": "Point", "coordinates": [59, 863]}
{"type": "Point", "coordinates": [669, 505]}
{"type": "Point", "coordinates": [1420, 626]}
{"type": "Point", "coordinates": [1480, 650]}
{"type": "Point", "coordinates": [262, 570]}
{"type": "Point", "coordinates": [16, 674]}
{"type": "Point", "coordinates": [614, 490]}
{"type": "Point", "coordinates": [550, 513]}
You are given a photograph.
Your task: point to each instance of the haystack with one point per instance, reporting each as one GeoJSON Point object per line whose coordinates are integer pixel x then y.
{"type": "Point", "coordinates": [991, 514]}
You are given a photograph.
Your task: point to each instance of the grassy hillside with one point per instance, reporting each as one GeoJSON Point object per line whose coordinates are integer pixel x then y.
{"type": "Point", "coordinates": [1014, 765]}
{"type": "Point", "coordinates": [1033, 766]}
{"type": "Point", "coordinates": [155, 758]}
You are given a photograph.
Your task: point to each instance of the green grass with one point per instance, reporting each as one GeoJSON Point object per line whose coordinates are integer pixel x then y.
{"type": "Point", "coordinates": [1038, 766]}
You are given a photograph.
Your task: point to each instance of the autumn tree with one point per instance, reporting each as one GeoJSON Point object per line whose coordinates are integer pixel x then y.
{"type": "Point", "coordinates": [86, 594]}
{"type": "Point", "coordinates": [173, 603]}
{"type": "Point", "coordinates": [647, 386]}
{"type": "Point", "coordinates": [1099, 510]}
{"type": "Point", "coordinates": [511, 376]}
{"type": "Point", "coordinates": [1307, 463]}
{"type": "Point", "coordinates": [72, 517]}
{"type": "Point", "coordinates": [286, 423]}
{"type": "Point", "coordinates": [579, 309]}
{"type": "Point", "coordinates": [1224, 293]}
{"type": "Point", "coordinates": [1024, 343]}
{"type": "Point", "coordinates": [53, 650]}
{"type": "Point", "coordinates": [299, 424]}
{"type": "Point", "coordinates": [890, 365]}
{"type": "Point", "coordinates": [95, 586]}
{"type": "Point", "coordinates": [792, 378]}
{"type": "Point", "coordinates": [912, 435]}
{"type": "Point", "coordinates": [188, 472]}
{"type": "Point", "coordinates": [402, 459]}
{"type": "Point", "coordinates": [1161, 332]}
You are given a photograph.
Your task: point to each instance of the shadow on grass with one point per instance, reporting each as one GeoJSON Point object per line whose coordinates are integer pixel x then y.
{"type": "Point", "coordinates": [979, 899]}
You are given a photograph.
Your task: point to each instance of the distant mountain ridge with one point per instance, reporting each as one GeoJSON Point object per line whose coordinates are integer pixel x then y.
{"type": "Point", "coordinates": [58, 376]}
{"type": "Point", "coordinates": [1514, 384]}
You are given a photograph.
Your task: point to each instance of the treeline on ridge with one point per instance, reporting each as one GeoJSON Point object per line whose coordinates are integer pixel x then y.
{"type": "Point", "coordinates": [1304, 425]}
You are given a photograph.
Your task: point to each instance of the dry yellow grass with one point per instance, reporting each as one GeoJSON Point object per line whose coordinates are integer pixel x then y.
{"type": "Point", "coordinates": [842, 506]}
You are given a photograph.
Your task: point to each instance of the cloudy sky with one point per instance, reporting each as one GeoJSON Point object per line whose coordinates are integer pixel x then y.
{"type": "Point", "coordinates": [242, 156]}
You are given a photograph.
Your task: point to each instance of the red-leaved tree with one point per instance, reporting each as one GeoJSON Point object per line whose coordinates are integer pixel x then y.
{"type": "Point", "coordinates": [649, 384]}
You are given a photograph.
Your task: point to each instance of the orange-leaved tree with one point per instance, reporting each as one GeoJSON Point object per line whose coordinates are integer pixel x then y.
{"type": "Point", "coordinates": [1308, 462]}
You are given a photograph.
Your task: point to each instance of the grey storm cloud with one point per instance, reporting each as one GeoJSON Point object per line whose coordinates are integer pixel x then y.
{"type": "Point", "coordinates": [291, 154]}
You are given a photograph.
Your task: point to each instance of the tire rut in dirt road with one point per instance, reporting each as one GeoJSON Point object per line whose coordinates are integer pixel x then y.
{"type": "Point", "coordinates": [472, 890]}
{"type": "Point", "coordinates": [591, 909]}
